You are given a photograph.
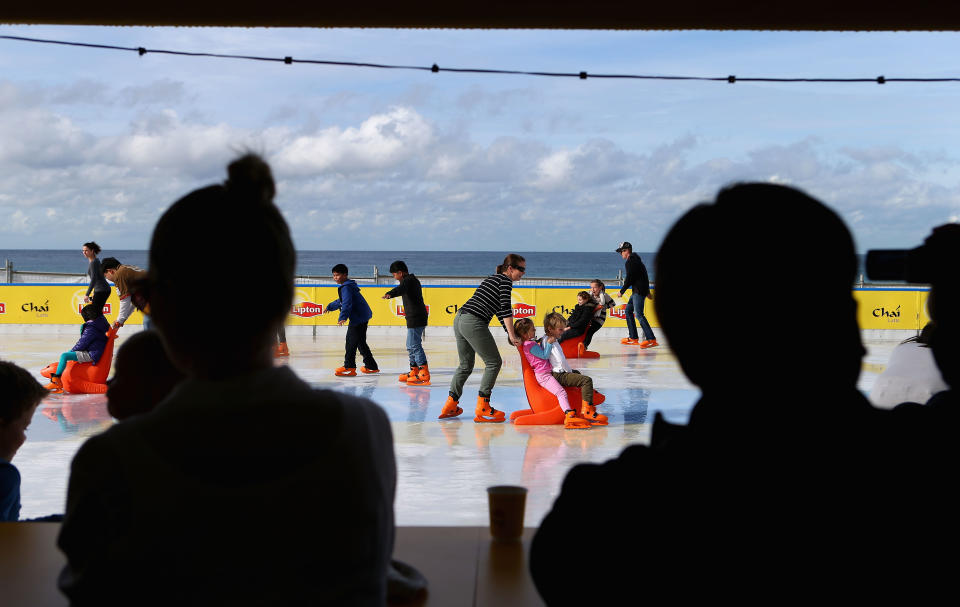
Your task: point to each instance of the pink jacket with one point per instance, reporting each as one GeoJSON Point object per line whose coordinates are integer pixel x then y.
{"type": "Point", "coordinates": [533, 352]}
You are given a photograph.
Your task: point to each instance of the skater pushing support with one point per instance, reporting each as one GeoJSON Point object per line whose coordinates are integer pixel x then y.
{"type": "Point", "coordinates": [471, 328]}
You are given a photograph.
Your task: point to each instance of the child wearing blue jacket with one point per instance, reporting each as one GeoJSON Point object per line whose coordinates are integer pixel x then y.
{"type": "Point", "coordinates": [90, 347]}
{"type": "Point", "coordinates": [354, 308]}
{"type": "Point", "coordinates": [21, 394]}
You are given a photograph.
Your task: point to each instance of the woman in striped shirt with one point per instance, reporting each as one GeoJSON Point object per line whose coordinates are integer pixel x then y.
{"type": "Point", "coordinates": [471, 327]}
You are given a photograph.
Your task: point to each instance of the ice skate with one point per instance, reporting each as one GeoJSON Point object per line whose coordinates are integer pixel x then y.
{"type": "Point", "coordinates": [450, 409]}
{"type": "Point", "coordinates": [487, 414]}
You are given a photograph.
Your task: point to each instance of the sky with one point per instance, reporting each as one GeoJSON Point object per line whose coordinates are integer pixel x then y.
{"type": "Point", "coordinates": [95, 144]}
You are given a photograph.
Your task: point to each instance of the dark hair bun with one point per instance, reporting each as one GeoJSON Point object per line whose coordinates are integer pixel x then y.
{"type": "Point", "coordinates": [249, 179]}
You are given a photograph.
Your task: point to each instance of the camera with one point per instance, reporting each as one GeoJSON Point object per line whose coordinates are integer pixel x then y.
{"type": "Point", "coordinates": [908, 265]}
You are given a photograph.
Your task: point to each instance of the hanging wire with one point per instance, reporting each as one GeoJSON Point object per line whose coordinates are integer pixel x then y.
{"type": "Point", "coordinates": [582, 75]}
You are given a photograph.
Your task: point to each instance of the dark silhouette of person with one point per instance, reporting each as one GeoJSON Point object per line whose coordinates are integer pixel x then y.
{"type": "Point", "coordinates": [922, 489]}
{"type": "Point", "coordinates": [244, 486]}
{"type": "Point", "coordinates": [748, 497]}
{"type": "Point", "coordinates": [941, 250]}
{"type": "Point", "coordinates": [142, 377]}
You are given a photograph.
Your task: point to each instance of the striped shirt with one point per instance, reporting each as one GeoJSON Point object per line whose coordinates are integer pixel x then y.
{"type": "Point", "coordinates": [491, 297]}
{"type": "Point", "coordinates": [600, 316]}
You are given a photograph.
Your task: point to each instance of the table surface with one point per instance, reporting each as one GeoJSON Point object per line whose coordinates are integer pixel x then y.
{"type": "Point", "coordinates": [463, 566]}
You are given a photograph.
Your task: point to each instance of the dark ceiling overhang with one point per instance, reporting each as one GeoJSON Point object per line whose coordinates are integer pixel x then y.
{"type": "Point", "coordinates": [552, 14]}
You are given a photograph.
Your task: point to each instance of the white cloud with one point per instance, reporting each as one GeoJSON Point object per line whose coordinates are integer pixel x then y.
{"type": "Point", "coordinates": [554, 170]}
{"type": "Point", "coordinates": [382, 141]}
{"type": "Point", "coordinates": [406, 176]}
{"type": "Point", "coordinates": [114, 216]}
{"type": "Point", "coordinates": [18, 221]}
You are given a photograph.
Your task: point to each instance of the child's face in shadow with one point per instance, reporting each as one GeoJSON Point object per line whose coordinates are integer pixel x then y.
{"type": "Point", "coordinates": [13, 433]}
{"type": "Point", "coordinates": [582, 300]}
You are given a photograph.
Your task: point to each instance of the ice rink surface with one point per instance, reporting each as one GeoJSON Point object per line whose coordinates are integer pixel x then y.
{"type": "Point", "coordinates": [443, 466]}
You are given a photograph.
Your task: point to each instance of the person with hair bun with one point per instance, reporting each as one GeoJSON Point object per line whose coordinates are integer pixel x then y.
{"type": "Point", "coordinates": [98, 283]}
{"type": "Point", "coordinates": [245, 485]}
{"type": "Point", "coordinates": [471, 327]}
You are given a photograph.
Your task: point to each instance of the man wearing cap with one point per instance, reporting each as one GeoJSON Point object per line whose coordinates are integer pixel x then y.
{"type": "Point", "coordinates": [637, 280]}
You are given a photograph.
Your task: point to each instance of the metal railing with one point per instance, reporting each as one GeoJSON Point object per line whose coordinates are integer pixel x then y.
{"type": "Point", "coordinates": [11, 276]}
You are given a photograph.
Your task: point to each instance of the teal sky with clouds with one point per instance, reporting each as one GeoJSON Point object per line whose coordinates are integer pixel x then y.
{"type": "Point", "coordinates": [95, 144]}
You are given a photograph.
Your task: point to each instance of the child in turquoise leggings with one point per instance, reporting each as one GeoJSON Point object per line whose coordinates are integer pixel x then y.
{"type": "Point", "coordinates": [88, 349]}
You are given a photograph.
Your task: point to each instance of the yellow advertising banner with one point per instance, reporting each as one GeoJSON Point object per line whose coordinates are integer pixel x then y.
{"type": "Point", "coordinates": [443, 302]}
{"type": "Point", "coordinates": [903, 308]}
{"type": "Point", "coordinates": [891, 308]}
{"type": "Point", "coordinates": [52, 305]}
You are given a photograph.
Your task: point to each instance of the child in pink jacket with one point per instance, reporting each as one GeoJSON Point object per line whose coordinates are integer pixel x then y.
{"type": "Point", "coordinates": [539, 358]}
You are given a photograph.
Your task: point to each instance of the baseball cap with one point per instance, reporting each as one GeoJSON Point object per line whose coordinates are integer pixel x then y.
{"type": "Point", "coordinates": [624, 245]}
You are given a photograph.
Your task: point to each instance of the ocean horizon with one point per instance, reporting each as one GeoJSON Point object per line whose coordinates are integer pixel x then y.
{"type": "Point", "coordinates": [586, 265]}
{"type": "Point", "coordinates": [540, 264]}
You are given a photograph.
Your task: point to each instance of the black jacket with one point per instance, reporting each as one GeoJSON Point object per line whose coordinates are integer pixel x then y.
{"type": "Point", "coordinates": [580, 317]}
{"type": "Point", "coordinates": [637, 278]}
{"type": "Point", "coordinates": [414, 310]}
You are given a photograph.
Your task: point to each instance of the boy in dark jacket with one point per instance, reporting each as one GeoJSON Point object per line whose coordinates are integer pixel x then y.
{"type": "Point", "coordinates": [415, 312]}
{"type": "Point", "coordinates": [88, 349]}
{"type": "Point", "coordinates": [580, 318]}
{"type": "Point", "coordinates": [354, 308]}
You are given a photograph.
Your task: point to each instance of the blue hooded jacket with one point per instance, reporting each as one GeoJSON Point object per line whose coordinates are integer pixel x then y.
{"type": "Point", "coordinates": [94, 338]}
{"type": "Point", "coordinates": [352, 305]}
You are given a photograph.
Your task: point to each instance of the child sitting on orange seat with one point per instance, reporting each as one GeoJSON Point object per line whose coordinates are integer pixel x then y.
{"type": "Point", "coordinates": [554, 325]}
{"type": "Point", "coordinates": [539, 358]}
{"type": "Point", "coordinates": [88, 349]}
{"type": "Point", "coordinates": [580, 318]}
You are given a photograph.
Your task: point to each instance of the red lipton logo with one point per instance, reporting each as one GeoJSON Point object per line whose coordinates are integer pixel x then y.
{"type": "Point", "coordinates": [307, 309]}
{"type": "Point", "coordinates": [106, 308]}
{"type": "Point", "coordinates": [3, 308]}
{"type": "Point", "coordinates": [619, 312]}
{"type": "Point", "coordinates": [399, 311]}
{"type": "Point", "coordinates": [521, 310]}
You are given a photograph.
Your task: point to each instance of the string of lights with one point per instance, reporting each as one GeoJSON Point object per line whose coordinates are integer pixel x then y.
{"type": "Point", "coordinates": [435, 68]}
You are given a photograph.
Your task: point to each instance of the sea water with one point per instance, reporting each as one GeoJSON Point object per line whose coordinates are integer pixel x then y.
{"type": "Point", "coordinates": [603, 265]}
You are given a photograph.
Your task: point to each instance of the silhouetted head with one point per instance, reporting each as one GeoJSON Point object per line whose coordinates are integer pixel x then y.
{"type": "Point", "coordinates": [944, 301]}
{"type": "Point", "coordinates": [206, 245]}
{"type": "Point", "coordinates": [143, 376]}
{"type": "Point", "coordinates": [754, 289]}
{"type": "Point", "coordinates": [399, 266]}
{"type": "Point", "coordinates": [20, 394]}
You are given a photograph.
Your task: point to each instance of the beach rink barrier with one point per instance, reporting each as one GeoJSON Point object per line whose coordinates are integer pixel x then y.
{"type": "Point", "coordinates": [879, 309]}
